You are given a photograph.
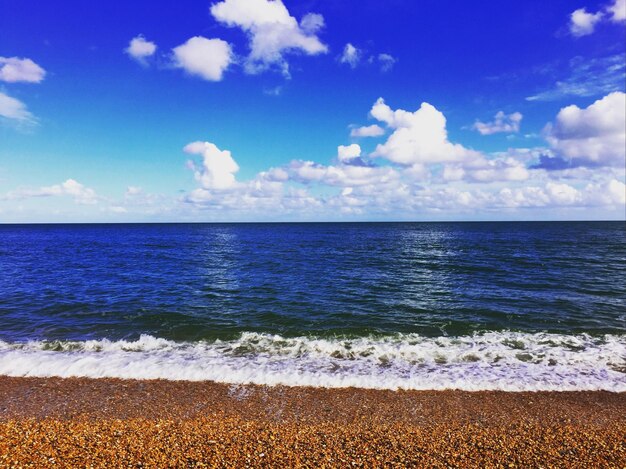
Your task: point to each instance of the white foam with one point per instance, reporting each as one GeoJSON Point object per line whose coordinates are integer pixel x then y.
{"type": "Point", "coordinates": [508, 361]}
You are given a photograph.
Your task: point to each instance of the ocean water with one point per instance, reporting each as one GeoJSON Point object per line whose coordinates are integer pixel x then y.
{"type": "Point", "coordinates": [475, 306]}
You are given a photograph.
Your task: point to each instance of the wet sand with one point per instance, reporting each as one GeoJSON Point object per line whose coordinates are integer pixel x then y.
{"type": "Point", "coordinates": [109, 422]}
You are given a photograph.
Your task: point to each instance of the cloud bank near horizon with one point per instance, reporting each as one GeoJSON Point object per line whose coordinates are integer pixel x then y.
{"type": "Point", "coordinates": [417, 169]}
{"type": "Point", "coordinates": [413, 169]}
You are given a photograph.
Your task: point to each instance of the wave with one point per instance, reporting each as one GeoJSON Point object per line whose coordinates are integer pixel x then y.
{"type": "Point", "coordinates": [508, 361]}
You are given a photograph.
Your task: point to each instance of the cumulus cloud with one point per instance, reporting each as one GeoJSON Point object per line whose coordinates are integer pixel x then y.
{"type": "Point", "coordinates": [71, 187]}
{"type": "Point", "coordinates": [427, 174]}
{"type": "Point", "coordinates": [218, 168]}
{"type": "Point", "coordinates": [268, 190]}
{"type": "Point", "coordinates": [219, 190]}
{"type": "Point", "coordinates": [261, 194]}
{"type": "Point", "coordinates": [502, 123]}
{"type": "Point", "coordinates": [351, 171]}
{"type": "Point", "coordinates": [418, 137]}
{"type": "Point", "coordinates": [14, 109]}
{"type": "Point", "coordinates": [140, 49]}
{"type": "Point", "coordinates": [14, 69]}
{"type": "Point", "coordinates": [351, 55]}
{"type": "Point", "coordinates": [271, 30]}
{"type": "Point", "coordinates": [617, 10]}
{"type": "Point", "coordinates": [367, 131]}
{"type": "Point", "coordinates": [347, 153]}
{"type": "Point", "coordinates": [206, 58]}
{"type": "Point", "coordinates": [583, 23]}
{"type": "Point", "coordinates": [593, 136]}
{"type": "Point", "coordinates": [420, 141]}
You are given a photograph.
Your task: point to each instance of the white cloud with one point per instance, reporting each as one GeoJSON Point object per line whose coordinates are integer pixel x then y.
{"type": "Point", "coordinates": [219, 190]}
{"type": "Point", "coordinates": [346, 153]}
{"type": "Point", "coordinates": [502, 123]}
{"type": "Point", "coordinates": [14, 69]}
{"type": "Point", "coordinates": [11, 108]}
{"type": "Point", "coordinates": [255, 200]}
{"type": "Point", "coordinates": [265, 194]}
{"type": "Point", "coordinates": [557, 194]}
{"type": "Point", "coordinates": [71, 187]}
{"type": "Point", "coordinates": [618, 10]}
{"type": "Point", "coordinates": [272, 31]}
{"type": "Point", "coordinates": [485, 170]}
{"type": "Point", "coordinates": [437, 177]}
{"type": "Point", "coordinates": [386, 62]}
{"type": "Point", "coordinates": [140, 49]}
{"type": "Point", "coordinates": [275, 174]}
{"type": "Point", "coordinates": [453, 172]}
{"type": "Point", "coordinates": [550, 195]}
{"type": "Point", "coordinates": [351, 55]}
{"type": "Point", "coordinates": [80, 193]}
{"type": "Point", "coordinates": [419, 137]}
{"type": "Point", "coordinates": [342, 175]}
{"type": "Point", "coordinates": [583, 23]}
{"type": "Point", "coordinates": [367, 131]}
{"type": "Point", "coordinates": [616, 191]}
{"type": "Point", "coordinates": [562, 194]}
{"type": "Point", "coordinates": [218, 168]}
{"type": "Point", "coordinates": [311, 23]}
{"type": "Point", "coordinates": [593, 136]}
{"type": "Point", "coordinates": [402, 198]}
{"type": "Point", "coordinates": [206, 58]}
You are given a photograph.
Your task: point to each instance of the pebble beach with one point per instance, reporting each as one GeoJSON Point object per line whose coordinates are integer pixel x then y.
{"type": "Point", "coordinates": [78, 422]}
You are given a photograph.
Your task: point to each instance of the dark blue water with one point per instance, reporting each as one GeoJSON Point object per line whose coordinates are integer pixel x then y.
{"type": "Point", "coordinates": [193, 281]}
{"type": "Point", "coordinates": [203, 282]}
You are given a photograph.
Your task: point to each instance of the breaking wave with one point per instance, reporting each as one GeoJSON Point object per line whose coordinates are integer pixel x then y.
{"type": "Point", "coordinates": [508, 361]}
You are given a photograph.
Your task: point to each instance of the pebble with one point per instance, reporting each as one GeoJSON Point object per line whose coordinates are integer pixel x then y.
{"type": "Point", "coordinates": [114, 423]}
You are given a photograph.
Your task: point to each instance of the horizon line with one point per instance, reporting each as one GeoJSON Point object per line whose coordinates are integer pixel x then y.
{"type": "Point", "coordinates": [302, 222]}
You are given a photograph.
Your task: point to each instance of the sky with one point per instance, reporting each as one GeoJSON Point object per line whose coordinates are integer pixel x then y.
{"type": "Point", "coordinates": [262, 110]}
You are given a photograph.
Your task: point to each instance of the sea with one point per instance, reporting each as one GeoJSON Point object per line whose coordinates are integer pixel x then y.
{"type": "Point", "coordinates": [512, 306]}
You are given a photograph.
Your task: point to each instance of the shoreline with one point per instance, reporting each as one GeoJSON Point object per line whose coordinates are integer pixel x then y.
{"type": "Point", "coordinates": [156, 422]}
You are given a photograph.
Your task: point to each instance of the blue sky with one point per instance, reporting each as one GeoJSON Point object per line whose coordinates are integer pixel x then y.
{"type": "Point", "coordinates": [310, 110]}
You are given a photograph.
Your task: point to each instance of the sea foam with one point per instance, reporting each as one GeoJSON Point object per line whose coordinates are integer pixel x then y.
{"type": "Point", "coordinates": [508, 361]}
